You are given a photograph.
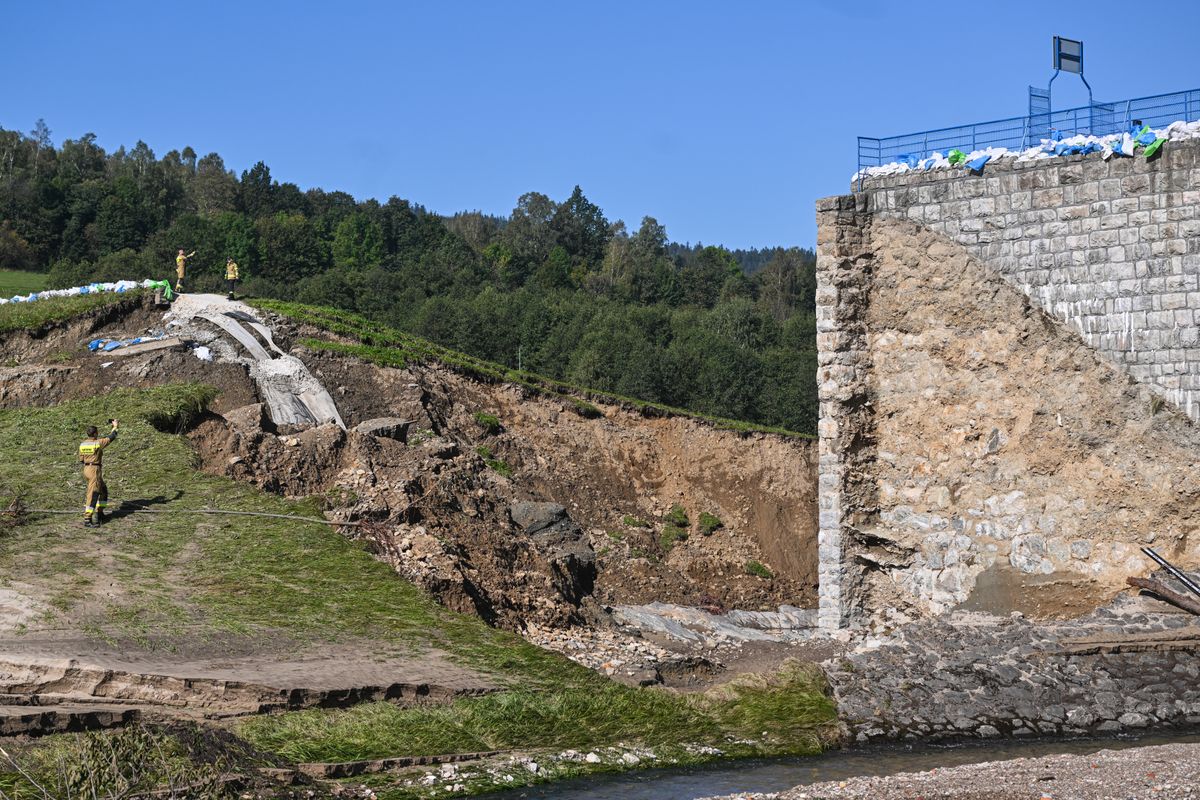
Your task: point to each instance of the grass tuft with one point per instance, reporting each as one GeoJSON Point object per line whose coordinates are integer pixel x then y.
{"type": "Point", "coordinates": [759, 570]}
{"type": "Point", "coordinates": [489, 422]}
{"type": "Point", "coordinates": [669, 535]}
{"type": "Point", "coordinates": [710, 523]}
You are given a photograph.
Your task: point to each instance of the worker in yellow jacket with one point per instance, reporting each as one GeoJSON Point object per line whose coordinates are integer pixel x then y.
{"type": "Point", "coordinates": [181, 267]}
{"type": "Point", "coordinates": [231, 275]}
{"type": "Point", "coordinates": [91, 455]}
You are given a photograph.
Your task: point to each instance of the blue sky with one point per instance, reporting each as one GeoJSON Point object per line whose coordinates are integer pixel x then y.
{"type": "Point", "coordinates": [725, 121]}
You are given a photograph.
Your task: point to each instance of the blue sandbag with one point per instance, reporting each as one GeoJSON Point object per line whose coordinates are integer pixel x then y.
{"type": "Point", "coordinates": [94, 344]}
{"type": "Point", "coordinates": [976, 165]}
{"type": "Point", "coordinates": [112, 346]}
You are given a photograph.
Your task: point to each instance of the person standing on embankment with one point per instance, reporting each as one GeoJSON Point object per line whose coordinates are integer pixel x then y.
{"type": "Point", "coordinates": [231, 275]}
{"type": "Point", "coordinates": [181, 268]}
{"type": "Point", "coordinates": [91, 455]}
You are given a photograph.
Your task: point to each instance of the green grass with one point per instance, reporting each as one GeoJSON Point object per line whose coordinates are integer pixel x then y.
{"type": "Point", "coordinates": [759, 570]}
{"type": "Point", "coordinates": [669, 535]}
{"type": "Point", "coordinates": [133, 761]}
{"type": "Point", "coordinates": [202, 575]}
{"type": "Point", "coordinates": [785, 714]}
{"type": "Point", "coordinates": [41, 313]}
{"type": "Point", "coordinates": [15, 281]}
{"type": "Point", "coordinates": [489, 422]}
{"type": "Point", "coordinates": [495, 464]}
{"type": "Point", "coordinates": [386, 346]}
{"type": "Point", "coordinates": [634, 522]}
{"type": "Point", "coordinates": [710, 523]}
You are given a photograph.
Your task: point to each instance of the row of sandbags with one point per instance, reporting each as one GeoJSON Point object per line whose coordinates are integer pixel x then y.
{"type": "Point", "coordinates": [91, 288]}
{"type": "Point", "coordinates": [1144, 140]}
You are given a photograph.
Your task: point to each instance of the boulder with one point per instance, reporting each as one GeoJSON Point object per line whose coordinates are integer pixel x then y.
{"type": "Point", "coordinates": [533, 517]}
{"type": "Point", "coordinates": [562, 543]}
{"type": "Point", "coordinates": [249, 420]}
{"type": "Point", "coordinates": [385, 427]}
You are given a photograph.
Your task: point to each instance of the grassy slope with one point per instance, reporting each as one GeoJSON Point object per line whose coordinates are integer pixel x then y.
{"type": "Point", "coordinates": [31, 316]}
{"type": "Point", "coordinates": [14, 281]}
{"type": "Point", "coordinates": [165, 576]}
{"type": "Point", "coordinates": [387, 346]}
{"type": "Point", "coordinates": [197, 575]}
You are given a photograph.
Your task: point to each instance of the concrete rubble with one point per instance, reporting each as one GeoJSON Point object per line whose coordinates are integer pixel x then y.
{"type": "Point", "coordinates": [234, 332]}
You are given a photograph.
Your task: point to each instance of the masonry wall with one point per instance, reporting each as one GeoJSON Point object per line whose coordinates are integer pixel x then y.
{"type": "Point", "coordinates": [975, 451]}
{"type": "Point", "coordinates": [1112, 248]}
{"type": "Point", "coordinates": [1125, 672]}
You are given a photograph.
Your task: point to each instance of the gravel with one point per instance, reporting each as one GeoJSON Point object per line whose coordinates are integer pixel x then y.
{"type": "Point", "coordinates": [1162, 771]}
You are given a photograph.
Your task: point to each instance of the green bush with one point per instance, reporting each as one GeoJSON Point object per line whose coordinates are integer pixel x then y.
{"type": "Point", "coordinates": [678, 517]}
{"type": "Point", "coordinates": [670, 535]}
{"type": "Point", "coordinates": [495, 464]}
{"type": "Point", "coordinates": [709, 523]}
{"type": "Point", "coordinates": [758, 570]}
{"type": "Point", "coordinates": [634, 522]}
{"type": "Point", "coordinates": [489, 422]}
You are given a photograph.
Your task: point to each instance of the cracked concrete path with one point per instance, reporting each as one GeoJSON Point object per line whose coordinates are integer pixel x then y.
{"type": "Point", "coordinates": [292, 394]}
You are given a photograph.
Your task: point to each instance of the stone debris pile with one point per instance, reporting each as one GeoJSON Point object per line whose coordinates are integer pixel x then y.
{"type": "Point", "coordinates": [1121, 669]}
{"type": "Point", "coordinates": [697, 626]}
{"type": "Point", "coordinates": [611, 652]}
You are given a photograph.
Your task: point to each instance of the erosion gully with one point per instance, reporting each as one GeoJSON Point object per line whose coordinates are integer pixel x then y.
{"type": "Point", "coordinates": [775, 775]}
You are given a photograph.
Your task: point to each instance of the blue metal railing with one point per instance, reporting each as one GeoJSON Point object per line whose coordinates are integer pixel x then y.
{"type": "Point", "coordinates": [1099, 119]}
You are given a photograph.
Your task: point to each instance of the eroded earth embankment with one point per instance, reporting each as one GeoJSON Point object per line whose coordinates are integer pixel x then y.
{"type": "Point", "coordinates": [499, 501]}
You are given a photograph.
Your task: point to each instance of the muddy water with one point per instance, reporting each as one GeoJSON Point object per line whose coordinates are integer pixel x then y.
{"type": "Point", "coordinates": [774, 775]}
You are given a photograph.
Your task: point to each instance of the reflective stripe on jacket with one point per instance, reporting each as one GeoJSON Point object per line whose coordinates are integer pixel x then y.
{"type": "Point", "coordinates": [91, 451]}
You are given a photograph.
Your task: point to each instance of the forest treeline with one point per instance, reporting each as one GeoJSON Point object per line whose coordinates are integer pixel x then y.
{"type": "Point", "coordinates": [555, 287]}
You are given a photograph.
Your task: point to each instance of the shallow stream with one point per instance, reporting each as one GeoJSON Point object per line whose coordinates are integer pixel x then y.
{"type": "Point", "coordinates": [774, 775]}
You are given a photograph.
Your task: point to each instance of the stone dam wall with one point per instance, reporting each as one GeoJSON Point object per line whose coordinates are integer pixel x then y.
{"type": "Point", "coordinates": [1006, 364]}
{"type": "Point", "coordinates": [1111, 248]}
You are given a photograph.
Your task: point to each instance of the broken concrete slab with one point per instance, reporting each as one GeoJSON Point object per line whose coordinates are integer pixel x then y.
{"type": "Point", "coordinates": [169, 343]}
{"type": "Point", "coordinates": [385, 427]}
{"type": "Point", "coordinates": [293, 395]}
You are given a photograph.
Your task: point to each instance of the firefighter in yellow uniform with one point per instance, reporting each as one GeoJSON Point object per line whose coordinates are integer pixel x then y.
{"type": "Point", "coordinates": [181, 267]}
{"type": "Point", "coordinates": [91, 455]}
{"type": "Point", "coordinates": [231, 275]}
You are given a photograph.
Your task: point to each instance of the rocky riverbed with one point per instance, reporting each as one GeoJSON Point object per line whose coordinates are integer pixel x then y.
{"type": "Point", "coordinates": [1139, 773]}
